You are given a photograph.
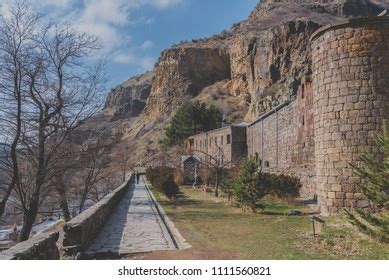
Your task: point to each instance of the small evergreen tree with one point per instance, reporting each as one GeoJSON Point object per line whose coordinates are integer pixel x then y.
{"type": "Point", "coordinates": [192, 118]}
{"type": "Point", "coordinates": [251, 185]}
{"type": "Point", "coordinates": [374, 220]}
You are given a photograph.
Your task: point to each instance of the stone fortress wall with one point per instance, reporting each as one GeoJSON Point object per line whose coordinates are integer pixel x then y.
{"type": "Point", "coordinates": [283, 139]}
{"type": "Point", "coordinates": [351, 99]}
{"type": "Point", "coordinates": [228, 145]}
{"type": "Point", "coordinates": [320, 133]}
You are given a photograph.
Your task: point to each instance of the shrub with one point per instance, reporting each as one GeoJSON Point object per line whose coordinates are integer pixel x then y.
{"type": "Point", "coordinates": [163, 180]}
{"type": "Point", "coordinates": [284, 186]}
{"type": "Point", "coordinates": [179, 176]}
{"type": "Point", "coordinates": [251, 185]}
{"type": "Point", "coordinates": [207, 176]}
{"type": "Point", "coordinates": [152, 174]}
{"type": "Point", "coordinates": [168, 187]}
{"type": "Point", "coordinates": [227, 182]}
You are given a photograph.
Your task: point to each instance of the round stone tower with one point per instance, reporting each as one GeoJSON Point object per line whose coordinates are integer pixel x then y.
{"type": "Point", "coordinates": [351, 98]}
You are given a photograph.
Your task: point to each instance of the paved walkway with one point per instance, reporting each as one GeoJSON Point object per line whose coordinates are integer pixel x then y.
{"type": "Point", "coordinates": [135, 226]}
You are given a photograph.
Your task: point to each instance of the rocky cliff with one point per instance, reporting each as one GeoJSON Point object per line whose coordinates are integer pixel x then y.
{"type": "Point", "coordinates": [129, 99]}
{"type": "Point", "coordinates": [246, 70]}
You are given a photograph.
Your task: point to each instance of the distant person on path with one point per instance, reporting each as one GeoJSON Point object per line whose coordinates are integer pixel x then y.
{"type": "Point", "coordinates": [137, 177]}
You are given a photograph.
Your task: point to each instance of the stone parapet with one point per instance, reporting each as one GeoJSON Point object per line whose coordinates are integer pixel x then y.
{"type": "Point", "coordinates": [84, 228]}
{"type": "Point", "coordinates": [40, 247]}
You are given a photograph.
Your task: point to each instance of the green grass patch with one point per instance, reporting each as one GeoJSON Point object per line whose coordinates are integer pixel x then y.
{"type": "Point", "coordinates": [213, 224]}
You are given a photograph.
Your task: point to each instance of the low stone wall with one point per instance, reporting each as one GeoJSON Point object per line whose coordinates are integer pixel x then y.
{"type": "Point", "coordinates": [40, 247]}
{"type": "Point", "coordinates": [84, 228]}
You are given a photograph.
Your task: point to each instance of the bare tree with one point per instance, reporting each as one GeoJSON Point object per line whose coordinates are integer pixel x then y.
{"type": "Point", "coordinates": [216, 165]}
{"type": "Point", "coordinates": [94, 173]}
{"type": "Point", "coordinates": [16, 38]}
{"type": "Point", "coordinates": [93, 166]}
{"type": "Point", "coordinates": [120, 163]}
{"type": "Point", "coordinates": [58, 88]}
{"type": "Point", "coordinates": [62, 170]}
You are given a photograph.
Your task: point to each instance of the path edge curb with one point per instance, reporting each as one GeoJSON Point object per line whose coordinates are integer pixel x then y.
{"type": "Point", "coordinates": [174, 232]}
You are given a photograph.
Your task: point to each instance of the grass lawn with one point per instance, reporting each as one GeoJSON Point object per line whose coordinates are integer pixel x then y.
{"type": "Point", "coordinates": [217, 230]}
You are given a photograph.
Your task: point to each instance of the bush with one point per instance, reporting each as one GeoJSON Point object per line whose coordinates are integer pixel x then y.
{"type": "Point", "coordinates": [168, 187]}
{"type": "Point", "coordinates": [284, 186]}
{"type": "Point", "coordinates": [152, 174]}
{"type": "Point", "coordinates": [251, 185]}
{"type": "Point", "coordinates": [163, 180]}
{"type": "Point", "coordinates": [179, 176]}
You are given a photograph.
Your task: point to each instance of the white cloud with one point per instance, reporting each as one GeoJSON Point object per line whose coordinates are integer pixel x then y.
{"type": "Point", "coordinates": [108, 20]}
{"type": "Point", "coordinates": [105, 18]}
{"type": "Point", "coordinates": [56, 3]}
{"type": "Point", "coordinates": [164, 3]}
{"type": "Point", "coordinates": [144, 63]}
{"type": "Point", "coordinates": [147, 45]}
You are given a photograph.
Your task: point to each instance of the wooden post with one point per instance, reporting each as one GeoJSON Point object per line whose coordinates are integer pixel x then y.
{"type": "Point", "coordinates": [313, 225]}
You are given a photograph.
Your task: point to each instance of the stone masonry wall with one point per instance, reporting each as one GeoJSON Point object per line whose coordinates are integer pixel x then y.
{"type": "Point", "coordinates": [228, 142]}
{"type": "Point", "coordinates": [351, 84]}
{"type": "Point", "coordinates": [40, 247]}
{"type": "Point", "coordinates": [283, 140]}
{"type": "Point", "coordinates": [239, 143]}
{"type": "Point", "coordinates": [83, 229]}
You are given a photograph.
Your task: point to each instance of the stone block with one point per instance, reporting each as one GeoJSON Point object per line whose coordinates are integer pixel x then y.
{"type": "Point", "coordinates": [331, 195]}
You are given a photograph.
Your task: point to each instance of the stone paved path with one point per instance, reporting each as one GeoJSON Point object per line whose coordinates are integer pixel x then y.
{"type": "Point", "coordinates": [135, 226]}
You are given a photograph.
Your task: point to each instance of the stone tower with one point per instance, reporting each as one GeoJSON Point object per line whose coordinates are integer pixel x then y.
{"type": "Point", "coordinates": [351, 99]}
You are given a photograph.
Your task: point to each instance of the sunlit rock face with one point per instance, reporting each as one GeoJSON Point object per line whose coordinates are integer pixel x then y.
{"type": "Point", "coordinates": [129, 99]}
{"type": "Point", "coordinates": [252, 67]}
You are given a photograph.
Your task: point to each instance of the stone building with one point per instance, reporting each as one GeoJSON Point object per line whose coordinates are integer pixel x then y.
{"type": "Point", "coordinates": [225, 145]}
{"type": "Point", "coordinates": [351, 100]}
{"type": "Point", "coordinates": [283, 139]}
{"type": "Point", "coordinates": [190, 166]}
{"type": "Point", "coordinates": [320, 133]}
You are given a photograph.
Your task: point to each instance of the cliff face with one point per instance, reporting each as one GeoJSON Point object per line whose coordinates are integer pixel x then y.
{"type": "Point", "coordinates": [182, 72]}
{"type": "Point", "coordinates": [264, 57]}
{"type": "Point", "coordinates": [251, 68]}
{"type": "Point", "coordinates": [129, 99]}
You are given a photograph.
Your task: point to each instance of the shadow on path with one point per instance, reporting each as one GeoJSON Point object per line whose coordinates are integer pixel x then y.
{"type": "Point", "coordinates": [134, 227]}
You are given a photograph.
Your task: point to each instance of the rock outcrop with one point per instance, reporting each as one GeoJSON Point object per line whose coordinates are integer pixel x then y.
{"type": "Point", "coordinates": [129, 99]}
{"type": "Point", "coordinates": [264, 56]}
{"type": "Point", "coordinates": [254, 66]}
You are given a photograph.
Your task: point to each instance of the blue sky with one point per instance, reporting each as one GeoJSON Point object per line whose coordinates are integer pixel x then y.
{"type": "Point", "coordinates": [134, 32]}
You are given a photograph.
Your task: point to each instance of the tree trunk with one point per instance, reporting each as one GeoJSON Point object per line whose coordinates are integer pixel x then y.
{"type": "Point", "coordinates": [82, 203]}
{"type": "Point", "coordinates": [217, 186]}
{"type": "Point", "coordinates": [33, 207]}
{"type": "Point", "coordinates": [29, 220]}
{"type": "Point", "coordinates": [10, 188]}
{"type": "Point", "coordinates": [63, 201]}
{"type": "Point", "coordinates": [2, 206]}
{"type": "Point", "coordinates": [14, 156]}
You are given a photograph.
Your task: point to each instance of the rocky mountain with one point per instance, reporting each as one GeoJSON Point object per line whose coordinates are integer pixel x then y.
{"type": "Point", "coordinates": [246, 70]}
{"type": "Point", "coordinates": [129, 99]}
